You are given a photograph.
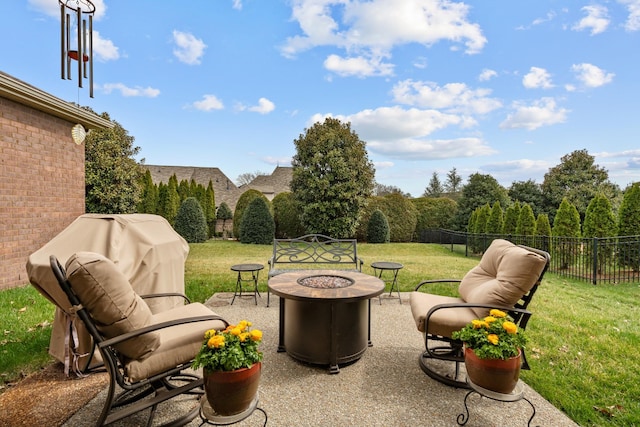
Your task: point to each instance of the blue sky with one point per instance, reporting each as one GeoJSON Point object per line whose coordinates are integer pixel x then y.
{"type": "Point", "coordinates": [497, 87]}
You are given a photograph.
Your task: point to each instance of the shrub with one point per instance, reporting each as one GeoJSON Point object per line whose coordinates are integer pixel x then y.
{"type": "Point", "coordinates": [244, 201]}
{"type": "Point", "coordinates": [566, 225]}
{"type": "Point", "coordinates": [378, 229]}
{"type": "Point", "coordinates": [257, 223]}
{"type": "Point", "coordinates": [191, 222]}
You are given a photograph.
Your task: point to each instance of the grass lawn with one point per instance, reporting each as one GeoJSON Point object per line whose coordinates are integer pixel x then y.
{"type": "Point", "coordinates": [583, 339]}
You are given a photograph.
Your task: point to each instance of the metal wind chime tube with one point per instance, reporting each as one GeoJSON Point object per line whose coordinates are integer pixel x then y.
{"type": "Point", "coordinates": [84, 51]}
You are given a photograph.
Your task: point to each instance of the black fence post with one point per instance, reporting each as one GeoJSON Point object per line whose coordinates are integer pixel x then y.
{"type": "Point", "coordinates": [595, 261]}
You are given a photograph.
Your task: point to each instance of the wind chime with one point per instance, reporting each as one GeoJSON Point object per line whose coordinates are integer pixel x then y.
{"type": "Point", "coordinates": [77, 11]}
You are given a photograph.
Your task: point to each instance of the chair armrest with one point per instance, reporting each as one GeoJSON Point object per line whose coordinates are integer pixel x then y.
{"type": "Point", "coordinates": [524, 314]}
{"type": "Point", "coordinates": [359, 263]}
{"type": "Point", "coordinates": [426, 282]}
{"type": "Point", "coordinates": [271, 263]}
{"type": "Point", "coordinates": [162, 325]}
{"type": "Point", "coordinates": [166, 295]}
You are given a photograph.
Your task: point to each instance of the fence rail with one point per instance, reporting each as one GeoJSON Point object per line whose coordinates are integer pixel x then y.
{"type": "Point", "coordinates": [609, 260]}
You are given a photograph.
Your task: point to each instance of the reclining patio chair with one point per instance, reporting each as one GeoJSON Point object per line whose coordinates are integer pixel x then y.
{"type": "Point", "coordinates": [144, 354]}
{"type": "Point", "coordinates": [506, 278]}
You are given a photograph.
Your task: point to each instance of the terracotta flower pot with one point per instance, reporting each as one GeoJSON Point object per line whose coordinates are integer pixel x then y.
{"type": "Point", "coordinates": [496, 375]}
{"type": "Point", "coordinates": [232, 392]}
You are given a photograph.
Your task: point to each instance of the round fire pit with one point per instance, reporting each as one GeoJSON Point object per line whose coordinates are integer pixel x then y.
{"type": "Point", "coordinates": [325, 315]}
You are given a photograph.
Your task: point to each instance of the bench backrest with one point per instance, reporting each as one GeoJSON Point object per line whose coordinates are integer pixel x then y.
{"type": "Point", "coordinates": [314, 248]}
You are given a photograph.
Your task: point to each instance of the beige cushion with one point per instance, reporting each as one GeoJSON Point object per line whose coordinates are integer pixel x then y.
{"type": "Point", "coordinates": [107, 294]}
{"type": "Point", "coordinates": [505, 273]}
{"type": "Point", "coordinates": [442, 322]}
{"type": "Point", "coordinates": [178, 344]}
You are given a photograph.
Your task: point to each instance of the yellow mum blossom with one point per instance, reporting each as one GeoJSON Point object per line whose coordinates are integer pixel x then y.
{"type": "Point", "coordinates": [216, 341]}
{"type": "Point", "coordinates": [243, 336]}
{"type": "Point", "coordinates": [493, 339]}
{"type": "Point", "coordinates": [477, 324]}
{"type": "Point", "coordinates": [236, 331]}
{"type": "Point", "coordinates": [497, 313]}
{"type": "Point", "coordinates": [256, 335]}
{"type": "Point", "coordinates": [490, 319]}
{"type": "Point", "coordinates": [510, 327]}
{"type": "Point", "coordinates": [209, 334]}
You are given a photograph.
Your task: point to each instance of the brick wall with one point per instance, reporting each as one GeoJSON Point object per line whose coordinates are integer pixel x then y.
{"type": "Point", "coordinates": [41, 184]}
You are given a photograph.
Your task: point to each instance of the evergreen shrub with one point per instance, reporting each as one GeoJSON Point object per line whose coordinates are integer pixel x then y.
{"type": "Point", "coordinates": [191, 222]}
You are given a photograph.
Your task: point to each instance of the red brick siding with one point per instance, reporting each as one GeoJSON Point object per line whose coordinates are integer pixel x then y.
{"type": "Point", "coordinates": [41, 185]}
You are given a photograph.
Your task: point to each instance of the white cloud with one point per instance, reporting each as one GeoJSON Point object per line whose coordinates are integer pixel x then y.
{"type": "Point", "coordinates": [104, 49]}
{"type": "Point", "coordinates": [543, 112]}
{"type": "Point", "coordinates": [403, 133]}
{"type": "Point", "coordinates": [633, 20]}
{"type": "Point", "coordinates": [487, 75]}
{"type": "Point", "coordinates": [591, 75]}
{"type": "Point", "coordinates": [358, 66]}
{"type": "Point", "coordinates": [371, 29]}
{"type": "Point", "coordinates": [625, 153]}
{"type": "Point", "coordinates": [208, 103]}
{"type": "Point", "coordinates": [383, 165]}
{"type": "Point", "coordinates": [597, 19]}
{"type": "Point", "coordinates": [264, 106]}
{"type": "Point", "coordinates": [189, 49]}
{"type": "Point", "coordinates": [52, 8]}
{"type": "Point", "coordinates": [237, 4]}
{"type": "Point", "coordinates": [126, 91]}
{"type": "Point", "coordinates": [452, 97]}
{"type": "Point", "coordinates": [537, 78]}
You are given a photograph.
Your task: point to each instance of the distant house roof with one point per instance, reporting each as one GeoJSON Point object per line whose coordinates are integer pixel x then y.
{"type": "Point", "coordinates": [224, 188]}
{"type": "Point", "coordinates": [271, 185]}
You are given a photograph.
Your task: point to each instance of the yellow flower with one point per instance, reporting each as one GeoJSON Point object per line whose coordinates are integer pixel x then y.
{"type": "Point", "coordinates": [497, 313]}
{"type": "Point", "coordinates": [209, 334]}
{"type": "Point", "coordinates": [243, 336]}
{"type": "Point", "coordinates": [490, 319]}
{"type": "Point", "coordinates": [477, 323]}
{"type": "Point", "coordinates": [493, 339]}
{"type": "Point", "coordinates": [244, 324]}
{"type": "Point", "coordinates": [510, 327]}
{"type": "Point", "coordinates": [216, 341]}
{"type": "Point", "coordinates": [256, 335]}
{"type": "Point", "coordinates": [236, 331]}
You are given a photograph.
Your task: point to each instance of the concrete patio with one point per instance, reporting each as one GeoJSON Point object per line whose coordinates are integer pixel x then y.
{"type": "Point", "coordinates": [386, 387]}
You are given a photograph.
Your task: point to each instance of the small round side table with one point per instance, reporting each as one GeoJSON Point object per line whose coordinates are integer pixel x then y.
{"type": "Point", "coordinates": [254, 271]}
{"type": "Point", "coordinates": [382, 266]}
{"type": "Point", "coordinates": [514, 396]}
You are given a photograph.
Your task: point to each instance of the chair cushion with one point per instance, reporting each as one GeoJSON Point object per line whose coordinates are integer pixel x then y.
{"type": "Point", "coordinates": [443, 322]}
{"type": "Point", "coordinates": [505, 273]}
{"type": "Point", "coordinates": [113, 304]}
{"type": "Point", "coordinates": [178, 344]}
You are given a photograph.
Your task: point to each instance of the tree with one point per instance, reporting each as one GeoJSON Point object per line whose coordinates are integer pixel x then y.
{"type": "Point", "coordinates": [257, 223]}
{"type": "Point", "coordinates": [511, 219]}
{"type": "Point", "coordinates": [452, 185]}
{"type": "Point", "coordinates": [332, 178]}
{"type": "Point", "coordinates": [599, 222]}
{"type": "Point", "coordinates": [526, 222]}
{"type": "Point", "coordinates": [169, 200]}
{"type": "Point", "coordinates": [149, 197]}
{"type": "Point", "coordinates": [247, 177]}
{"type": "Point", "coordinates": [242, 203]}
{"type": "Point", "coordinates": [435, 188]}
{"type": "Point", "coordinates": [209, 207]}
{"type": "Point", "coordinates": [528, 192]}
{"type": "Point", "coordinates": [434, 213]}
{"type": "Point", "coordinates": [578, 179]}
{"type": "Point", "coordinates": [479, 190]}
{"type": "Point", "coordinates": [378, 228]}
{"type": "Point", "coordinates": [566, 226]}
{"type": "Point", "coordinates": [224, 213]}
{"type": "Point", "coordinates": [112, 175]}
{"type": "Point", "coordinates": [496, 219]}
{"type": "Point", "coordinates": [543, 231]}
{"type": "Point", "coordinates": [286, 214]}
{"type": "Point", "coordinates": [629, 225]}
{"type": "Point", "coordinates": [383, 190]}
{"type": "Point", "coordinates": [190, 221]}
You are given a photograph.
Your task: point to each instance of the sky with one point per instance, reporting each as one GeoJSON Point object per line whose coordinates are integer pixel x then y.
{"type": "Point", "coordinates": [501, 87]}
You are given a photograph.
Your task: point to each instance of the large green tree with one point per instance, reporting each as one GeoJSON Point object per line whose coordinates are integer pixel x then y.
{"type": "Point", "coordinates": [332, 178]}
{"type": "Point", "coordinates": [241, 205]}
{"type": "Point", "coordinates": [599, 222]}
{"type": "Point", "coordinates": [435, 188]}
{"type": "Point", "coordinates": [257, 223]}
{"type": "Point", "coordinates": [112, 175]}
{"type": "Point", "coordinates": [577, 178]}
{"type": "Point", "coordinates": [566, 227]}
{"type": "Point", "coordinates": [286, 214]}
{"type": "Point", "coordinates": [528, 192]}
{"type": "Point", "coordinates": [629, 225]}
{"type": "Point", "coordinates": [479, 190]}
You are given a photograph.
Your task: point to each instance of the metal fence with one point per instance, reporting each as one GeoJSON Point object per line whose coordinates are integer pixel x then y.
{"type": "Point", "coordinates": [609, 260]}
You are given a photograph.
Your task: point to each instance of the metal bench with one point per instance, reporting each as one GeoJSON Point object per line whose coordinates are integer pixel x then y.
{"type": "Point", "coordinates": [313, 251]}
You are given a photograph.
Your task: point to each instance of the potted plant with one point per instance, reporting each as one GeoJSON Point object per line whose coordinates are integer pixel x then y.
{"type": "Point", "coordinates": [231, 364]}
{"type": "Point", "coordinates": [493, 351]}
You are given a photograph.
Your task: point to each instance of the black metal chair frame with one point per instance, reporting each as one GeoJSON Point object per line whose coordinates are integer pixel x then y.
{"type": "Point", "coordinates": [135, 395]}
{"type": "Point", "coordinates": [443, 348]}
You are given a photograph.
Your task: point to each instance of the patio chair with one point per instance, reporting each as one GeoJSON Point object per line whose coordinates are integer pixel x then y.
{"type": "Point", "coordinates": [144, 354]}
{"type": "Point", "coordinates": [506, 278]}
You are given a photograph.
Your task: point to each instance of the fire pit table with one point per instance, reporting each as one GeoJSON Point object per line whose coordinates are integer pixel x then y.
{"type": "Point", "coordinates": [325, 315]}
